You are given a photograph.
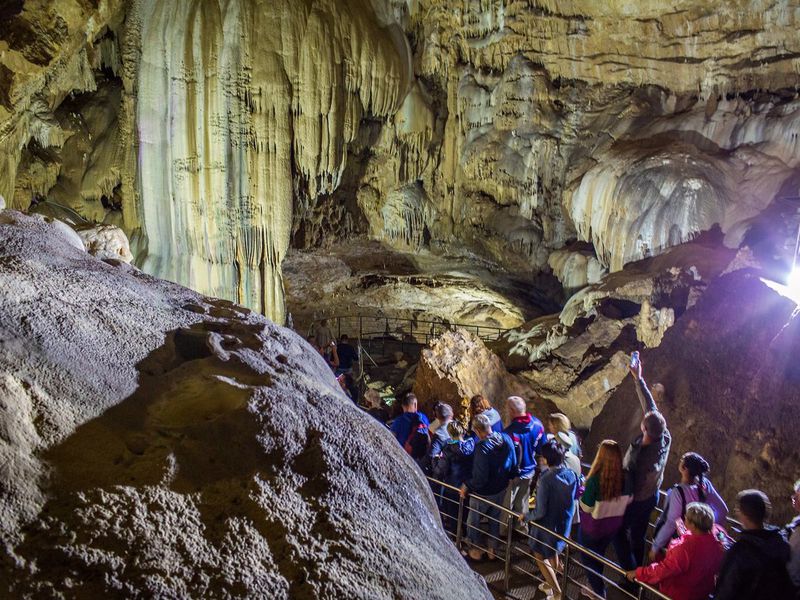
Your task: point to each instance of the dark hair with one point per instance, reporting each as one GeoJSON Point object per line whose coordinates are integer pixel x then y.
{"type": "Point", "coordinates": [654, 424]}
{"type": "Point", "coordinates": [344, 337]}
{"type": "Point", "coordinates": [697, 467]}
{"type": "Point", "coordinates": [409, 400]}
{"type": "Point", "coordinates": [553, 453]}
{"type": "Point", "coordinates": [754, 504]}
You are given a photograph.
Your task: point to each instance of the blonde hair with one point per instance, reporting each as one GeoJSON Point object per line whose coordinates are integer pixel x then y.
{"type": "Point", "coordinates": [607, 465]}
{"type": "Point", "coordinates": [700, 515]}
{"type": "Point", "coordinates": [559, 422]}
{"type": "Point", "coordinates": [456, 430]}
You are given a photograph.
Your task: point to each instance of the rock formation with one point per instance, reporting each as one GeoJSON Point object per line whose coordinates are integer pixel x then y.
{"type": "Point", "coordinates": [155, 442]}
{"type": "Point", "coordinates": [457, 366]}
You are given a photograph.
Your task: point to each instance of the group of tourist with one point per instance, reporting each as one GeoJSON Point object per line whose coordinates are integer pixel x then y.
{"type": "Point", "coordinates": [340, 356]}
{"type": "Point", "coordinates": [535, 472]}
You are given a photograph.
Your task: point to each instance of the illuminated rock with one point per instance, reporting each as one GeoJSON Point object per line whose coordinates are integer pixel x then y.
{"type": "Point", "coordinates": [156, 442]}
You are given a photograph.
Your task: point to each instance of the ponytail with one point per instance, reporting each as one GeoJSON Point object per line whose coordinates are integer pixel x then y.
{"type": "Point", "coordinates": [697, 467]}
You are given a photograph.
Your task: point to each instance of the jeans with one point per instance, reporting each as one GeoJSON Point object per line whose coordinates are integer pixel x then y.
{"type": "Point", "coordinates": [629, 541]}
{"type": "Point", "coordinates": [594, 568]}
{"type": "Point", "coordinates": [476, 505]}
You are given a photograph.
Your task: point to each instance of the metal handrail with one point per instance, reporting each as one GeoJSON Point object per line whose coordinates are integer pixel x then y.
{"type": "Point", "coordinates": [414, 329]}
{"type": "Point", "coordinates": [509, 518]}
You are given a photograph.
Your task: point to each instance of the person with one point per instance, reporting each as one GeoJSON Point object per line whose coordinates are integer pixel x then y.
{"type": "Point", "coordinates": [410, 427]}
{"type": "Point", "coordinates": [571, 460]}
{"type": "Point", "coordinates": [693, 487]}
{"type": "Point", "coordinates": [792, 531]}
{"type": "Point", "coordinates": [347, 355]}
{"type": "Point", "coordinates": [692, 562]}
{"type": "Point", "coordinates": [323, 336]}
{"type": "Point", "coordinates": [645, 462]}
{"type": "Point", "coordinates": [494, 464]}
{"type": "Point", "coordinates": [602, 508]}
{"type": "Point", "coordinates": [439, 438]}
{"type": "Point", "coordinates": [755, 566]}
{"type": "Point", "coordinates": [453, 468]}
{"type": "Point", "coordinates": [376, 407]}
{"type": "Point", "coordinates": [478, 405]}
{"type": "Point", "coordinates": [527, 433]}
{"type": "Point", "coordinates": [554, 510]}
{"type": "Point", "coordinates": [348, 385]}
{"type": "Point", "coordinates": [559, 423]}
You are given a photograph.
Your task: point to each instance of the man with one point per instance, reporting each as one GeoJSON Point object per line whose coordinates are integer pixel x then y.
{"type": "Point", "coordinates": [527, 433]}
{"type": "Point", "coordinates": [644, 461]}
{"type": "Point", "coordinates": [755, 566]}
{"type": "Point", "coordinates": [793, 534]}
{"type": "Point", "coordinates": [495, 463]}
{"type": "Point", "coordinates": [439, 438]}
{"type": "Point", "coordinates": [323, 336]}
{"type": "Point", "coordinates": [410, 428]}
{"type": "Point", "coordinates": [347, 355]}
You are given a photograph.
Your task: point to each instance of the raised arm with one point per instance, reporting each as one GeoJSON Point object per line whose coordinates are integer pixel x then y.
{"type": "Point", "coordinates": [642, 391]}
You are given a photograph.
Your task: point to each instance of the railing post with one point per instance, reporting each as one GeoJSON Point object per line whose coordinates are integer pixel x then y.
{"type": "Point", "coordinates": [338, 328]}
{"type": "Point", "coordinates": [641, 592]}
{"type": "Point", "coordinates": [507, 568]}
{"type": "Point", "coordinates": [566, 573]}
{"type": "Point", "coordinates": [459, 526]}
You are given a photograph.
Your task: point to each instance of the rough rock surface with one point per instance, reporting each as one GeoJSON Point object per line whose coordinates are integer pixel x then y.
{"type": "Point", "coordinates": [458, 365]}
{"type": "Point", "coordinates": [506, 130]}
{"type": "Point", "coordinates": [158, 443]}
{"type": "Point", "coordinates": [576, 359]}
{"type": "Point", "coordinates": [731, 385]}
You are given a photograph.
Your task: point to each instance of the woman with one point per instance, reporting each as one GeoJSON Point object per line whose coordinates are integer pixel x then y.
{"type": "Point", "coordinates": [559, 422]}
{"type": "Point", "coordinates": [555, 508]}
{"type": "Point", "coordinates": [694, 487]}
{"type": "Point", "coordinates": [602, 508]}
{"type": "Point", "coordinates": [453, 468]}
{"type": "Point", "coordinates": [479, 405]}
{"type": "Point", "coordinates": [692, 561]}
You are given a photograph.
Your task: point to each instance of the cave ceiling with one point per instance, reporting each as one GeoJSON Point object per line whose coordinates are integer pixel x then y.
{"type": "Point", "coordinates": [220, 134]}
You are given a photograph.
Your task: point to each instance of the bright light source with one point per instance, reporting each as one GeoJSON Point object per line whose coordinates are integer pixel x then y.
{"type": "Point", "coordinates": [793, 281]}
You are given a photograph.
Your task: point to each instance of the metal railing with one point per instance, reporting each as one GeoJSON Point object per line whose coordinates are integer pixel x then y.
{"type": "Point", "coordinates": [418, 331]}
{"type": "Point", "coordinates": [513, 547]}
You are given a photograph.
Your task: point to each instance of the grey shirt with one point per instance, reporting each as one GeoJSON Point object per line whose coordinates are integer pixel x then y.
{"type": "Point", "coordinates": [647, 463]}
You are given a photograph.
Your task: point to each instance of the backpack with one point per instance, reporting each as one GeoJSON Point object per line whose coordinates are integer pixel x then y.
{"type": "Point", "coordinates": [662, 519]}
{"type": "Point", "coordinates": [418, 441]}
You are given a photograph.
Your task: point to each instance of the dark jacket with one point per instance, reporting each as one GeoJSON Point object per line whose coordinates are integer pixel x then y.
{"type": "Point", "coordinates": [454, 467]}
{"type": "Point", "coordinates": [439, 439]}
{"type": "Point", "coordinates": [495, 462]}
{"type": "Point", "coordinates": [401, 426]}
{"type": "Point", "coordinates": [755, 568]}
{"type": "Point", "coordinates": [646, 464]}
{"type": "Point", "coordinates": [527, 433]}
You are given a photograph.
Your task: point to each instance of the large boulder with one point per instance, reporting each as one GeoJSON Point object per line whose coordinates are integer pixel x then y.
{"type": "Point", "coordinates": [158, 443]}
{"type": "Point", "coordinates": [458, 365]}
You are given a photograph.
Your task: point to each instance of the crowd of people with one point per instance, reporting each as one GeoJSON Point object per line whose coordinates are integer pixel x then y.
{"type": "Point", "coordinates": [534, 470]}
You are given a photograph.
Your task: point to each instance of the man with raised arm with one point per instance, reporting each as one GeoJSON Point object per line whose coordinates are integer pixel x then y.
{"type": "Point", "coordinates": [644, 462]}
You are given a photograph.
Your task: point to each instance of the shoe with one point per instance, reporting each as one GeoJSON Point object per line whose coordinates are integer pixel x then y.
{"type": "Point", "coordinates": [475, 555]}
{"type": "Point", "coordinates": [543, 587]}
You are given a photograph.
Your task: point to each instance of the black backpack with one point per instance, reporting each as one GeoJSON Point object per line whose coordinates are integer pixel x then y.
{"type": "Point", "coordinates": [419, 440]}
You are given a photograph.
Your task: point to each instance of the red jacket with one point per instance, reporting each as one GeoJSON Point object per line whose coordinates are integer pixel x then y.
{"type": "Point", "coordinates": [689, 568]}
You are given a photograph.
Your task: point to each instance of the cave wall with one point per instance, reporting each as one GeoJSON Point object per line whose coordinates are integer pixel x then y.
{"type": "Point", "coordinates": [504, 131]}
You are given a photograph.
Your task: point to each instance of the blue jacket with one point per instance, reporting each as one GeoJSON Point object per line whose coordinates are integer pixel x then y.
{"type": "Point", "coordinates": [495, 462]}
{"type": "Point", "coordinates": [527, 433]}
{"type": "Point", "coordinates": [401, 426]}
{"type": "Point", "coordinates": [555, 505]}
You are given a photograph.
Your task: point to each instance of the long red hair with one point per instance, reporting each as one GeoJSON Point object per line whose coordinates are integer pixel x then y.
{"type": "Point", "coordinates": [607, 466]}
{"type": "Point", "coordinates": [477, 405]}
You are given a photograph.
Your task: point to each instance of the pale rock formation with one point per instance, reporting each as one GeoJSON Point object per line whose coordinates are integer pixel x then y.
{"type": "Point", "coordinates": [155, 442]}
{"type": "Point", "coordinates": [106, 242]}
{"type": "Point", "coordinates": [457, 366]}
{"type": "Point", "coordinates": [575, 269]}
{"type": "Point", "coordinates": [237, 113]}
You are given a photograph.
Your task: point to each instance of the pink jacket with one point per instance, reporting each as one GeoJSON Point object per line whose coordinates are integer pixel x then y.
{"type": "Point", "coordinates": [689, 568]}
